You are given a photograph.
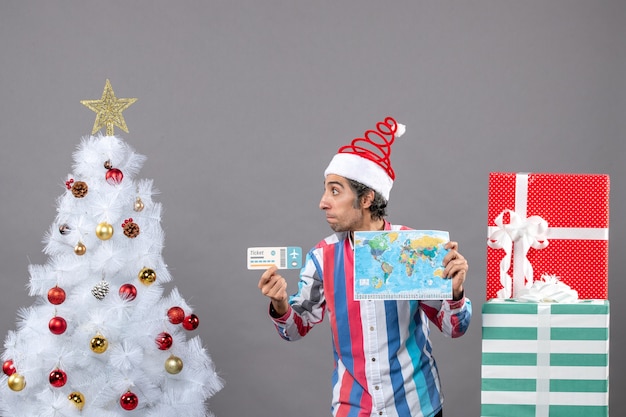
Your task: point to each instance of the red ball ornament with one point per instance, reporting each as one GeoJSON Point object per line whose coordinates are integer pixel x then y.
{"type": "Point", "coordinates": [57, 325]}
{"type": "Point", "coordinates": [114, 176]}
{"type": "Point", "coordinates": [58, 378]}
{"type": "Point", "coordinates": [164, 341]}
{"type": "Point", "coordinates": [56, 295]}
{"type": "Point", "coordinates": [129, 401]}
{"type": "Point", "coordinates": [176, 315]}
{"type": "Point", "coordinates": [191, 322]}
{"type": "Point", "coordinates": [8, 367]}
{"type": "Point", "coordinates": [128, 292]}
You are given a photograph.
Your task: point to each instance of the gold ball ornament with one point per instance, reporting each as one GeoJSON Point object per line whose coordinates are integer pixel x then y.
{"type": "Point", "coordinates": [138, 204]}
{"type": "Point", "coordinates": [147, 276]}
{"type": "Point", "coordinates": [16, 382]}
{"type": "Point", "coordinates": [104, 231]}
{"type": "Point", "coordinates": [78, 399]}
{"type": "Point", "coordinates": [99, 344]}
{"type": "Point", "coordinates": [173, 364]}
{"type": "Point", "coordinates": [80, 249]}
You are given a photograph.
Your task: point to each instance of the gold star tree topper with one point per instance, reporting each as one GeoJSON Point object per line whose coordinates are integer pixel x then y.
{"type": "Point", "coordinates": [109, 110]}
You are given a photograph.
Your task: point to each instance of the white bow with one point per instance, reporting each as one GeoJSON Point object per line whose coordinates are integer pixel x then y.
{"type": "Point", "coordinates": [526, 233]}
{"type": "Point", "coordinates": [548, 290]}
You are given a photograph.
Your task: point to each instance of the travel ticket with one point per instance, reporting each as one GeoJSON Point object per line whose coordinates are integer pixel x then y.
{"type": "Point", "coordinates": [284, 257]}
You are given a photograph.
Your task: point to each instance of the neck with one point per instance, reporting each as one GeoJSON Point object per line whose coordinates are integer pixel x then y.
{"type": "Point", "coordinates": [372, 225]}
{"type": "Point", "coordinates": [377, 224]}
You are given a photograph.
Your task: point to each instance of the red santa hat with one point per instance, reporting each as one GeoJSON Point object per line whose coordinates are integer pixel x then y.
{"type": "Point", "coordinates": [366, 159]}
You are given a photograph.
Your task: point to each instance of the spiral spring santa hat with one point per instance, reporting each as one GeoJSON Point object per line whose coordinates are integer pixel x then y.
{"type": "Point", "coordinates": [366, 159]}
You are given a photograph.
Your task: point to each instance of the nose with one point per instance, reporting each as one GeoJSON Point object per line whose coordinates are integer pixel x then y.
{"type": "Point", "coordinates": [323, 202]}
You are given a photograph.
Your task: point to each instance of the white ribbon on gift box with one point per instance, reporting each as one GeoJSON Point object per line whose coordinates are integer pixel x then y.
{"type": "Point", "coordinates": [523, 233]}
{"type": "Point", "coordinates": [543, 361]}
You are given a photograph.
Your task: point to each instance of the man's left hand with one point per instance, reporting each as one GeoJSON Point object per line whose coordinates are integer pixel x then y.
{"type": "Point", "coordinates": [456, 268]}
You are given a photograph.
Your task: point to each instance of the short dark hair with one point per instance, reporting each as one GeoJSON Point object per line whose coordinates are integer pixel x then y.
{"type": "Point", "coordinates": [378, 208]}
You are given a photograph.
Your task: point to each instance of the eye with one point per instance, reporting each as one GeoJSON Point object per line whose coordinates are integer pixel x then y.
{"type": "Point", "coordinates": [334, 191]}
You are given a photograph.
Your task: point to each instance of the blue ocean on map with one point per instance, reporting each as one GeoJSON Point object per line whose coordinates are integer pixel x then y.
{"type": "Point", "coordinates": [402, 264]}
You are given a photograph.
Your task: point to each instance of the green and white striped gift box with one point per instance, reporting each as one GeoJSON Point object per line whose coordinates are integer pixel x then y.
{"type": "Point", "coordinates": [545, 359]}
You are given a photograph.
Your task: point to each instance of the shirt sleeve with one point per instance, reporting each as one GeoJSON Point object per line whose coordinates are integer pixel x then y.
{"type": "Point", "coordinates": [307, 306]}
{"type": "Point", "coordinates": [451, 317]}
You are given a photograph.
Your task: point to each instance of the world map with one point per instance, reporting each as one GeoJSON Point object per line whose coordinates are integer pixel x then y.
{"type": "Point", "coordinates": [403, 264]}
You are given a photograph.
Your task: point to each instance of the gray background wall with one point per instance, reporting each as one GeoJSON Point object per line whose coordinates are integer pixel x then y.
{"type": "Point", "coordinates": [243, 103]}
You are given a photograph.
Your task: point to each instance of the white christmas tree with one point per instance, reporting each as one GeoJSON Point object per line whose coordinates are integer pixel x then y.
{"type": "Point", "coordinates": [102, 338]}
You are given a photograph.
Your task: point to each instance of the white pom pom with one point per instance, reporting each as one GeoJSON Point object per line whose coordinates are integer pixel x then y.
{"type": "Point", "coordinates": [400, 130]}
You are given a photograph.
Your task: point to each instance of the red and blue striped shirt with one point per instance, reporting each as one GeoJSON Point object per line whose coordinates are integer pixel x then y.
{"type": "Point", "coordinates": [383, 355]}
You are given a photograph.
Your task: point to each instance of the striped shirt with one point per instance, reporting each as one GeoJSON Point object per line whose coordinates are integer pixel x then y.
{"type": "Point", "coordinates": [383, 355]}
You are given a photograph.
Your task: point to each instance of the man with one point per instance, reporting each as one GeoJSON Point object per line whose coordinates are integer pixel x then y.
{"type": "Point", "coordinates": [383, 356]}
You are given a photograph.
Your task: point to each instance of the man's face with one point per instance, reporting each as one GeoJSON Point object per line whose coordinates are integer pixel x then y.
{"type": "Point", "coordinates": [338, 205]}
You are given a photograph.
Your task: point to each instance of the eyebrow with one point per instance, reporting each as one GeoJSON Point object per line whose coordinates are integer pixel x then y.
{"type": "Point", "coordinates": [334, 183]}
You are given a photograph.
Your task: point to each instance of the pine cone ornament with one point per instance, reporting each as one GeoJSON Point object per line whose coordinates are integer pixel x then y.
{"type": "Point", "coordinates": [80, 189]}
{"type": "Point", "coordinates": [131, 229]}
{"type": "Point", "coordinates": [100, 290]}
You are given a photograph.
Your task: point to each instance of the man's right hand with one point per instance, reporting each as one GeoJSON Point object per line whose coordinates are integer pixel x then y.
{"type": "Point", "coordinates": [274, 286]}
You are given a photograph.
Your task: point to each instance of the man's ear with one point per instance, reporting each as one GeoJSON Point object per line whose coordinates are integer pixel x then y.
{"type": "Point", "coordinates": [367, 199]}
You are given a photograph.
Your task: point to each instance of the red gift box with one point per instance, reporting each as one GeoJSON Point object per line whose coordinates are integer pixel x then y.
{"type": "Point", "coordinates": [554, 224]}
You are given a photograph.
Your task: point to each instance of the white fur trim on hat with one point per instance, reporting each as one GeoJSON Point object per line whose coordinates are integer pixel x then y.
{"type": "Point", "coordinates": [360, 169]}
